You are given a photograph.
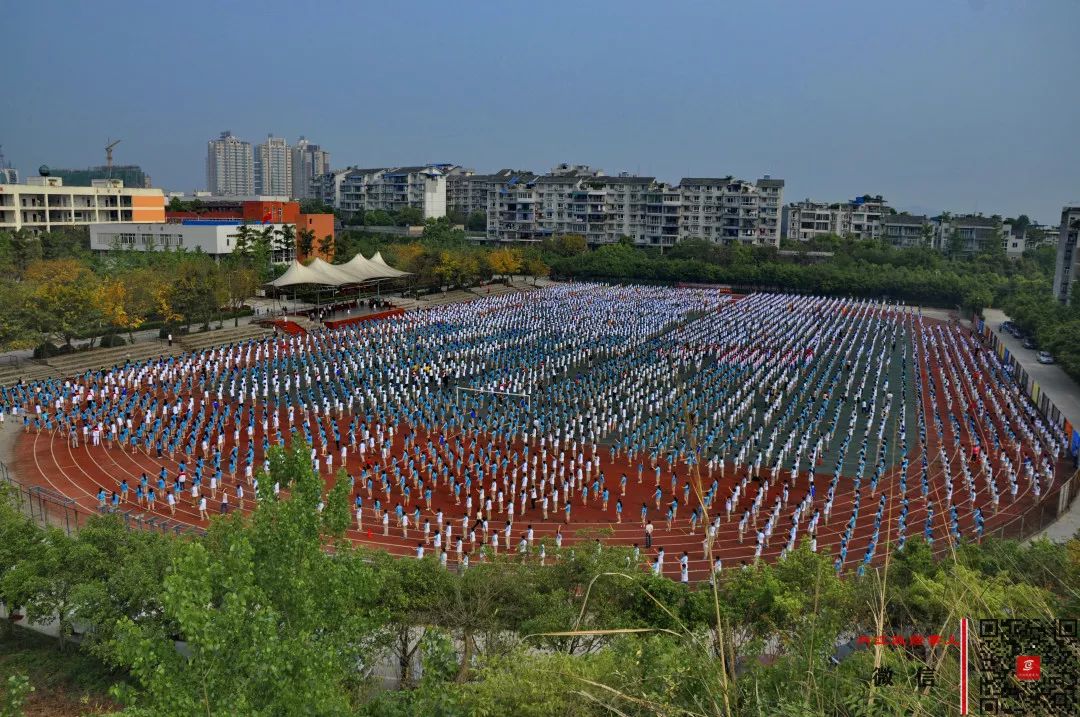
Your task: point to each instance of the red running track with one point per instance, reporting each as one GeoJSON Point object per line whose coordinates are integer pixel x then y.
{"type": "Point", "coordinates": [47, 460]}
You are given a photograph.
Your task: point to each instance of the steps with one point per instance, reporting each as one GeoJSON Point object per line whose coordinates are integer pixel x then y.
{"type": "Point", "coordinates": [400, 302]}
{"type": "Point", "coordinates": [219, 337]}
{"type": "Point", "coordinates": [27, 371]}
{"type": "Point", "coordinates": [93, 359]}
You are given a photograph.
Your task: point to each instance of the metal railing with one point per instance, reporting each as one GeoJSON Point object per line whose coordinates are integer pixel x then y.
{"type": "Point", "coordinates": [49, 508]}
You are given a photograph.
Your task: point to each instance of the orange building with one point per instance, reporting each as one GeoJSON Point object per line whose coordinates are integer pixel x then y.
{"type": "Point", "coordinates": [321, 226]}
{"type": "Point", "coordinates": [273, 212]}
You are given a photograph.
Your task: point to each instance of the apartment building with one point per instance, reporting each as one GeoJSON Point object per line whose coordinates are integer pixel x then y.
{"type": "Point", "coordinates": [727, 210]}
{"type": "Point", "coordinates": [388, 189]}
{"type": "Point", "coordinates": [603, 209]}
{"type": "Point", "coordinates": [45, 204]}
{"type": "Point", "coordinates": [468, 192]}
{"type": "Point", "coordinates": [860, 218]}
{"type": "Point", "coordinates": [808, 220]}
{"type": "Point", "coordinates": [309, 163]}
{"type": "Point", "coordinates": [1067, 267]}
{"type": "Point", "coordinates": [230, 166]}
{"type": "Point", "coordinates": [273, 167]}
{"type": "Point", "coordinates": [907, 230]}
{"type": "Point", "coordinates": [973, 234]}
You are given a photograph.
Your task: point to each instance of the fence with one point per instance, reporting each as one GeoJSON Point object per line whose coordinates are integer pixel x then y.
{"type": "Point", "coordinates": [1031, 387]}
{"type": "Point", "coordinates": [1039, 516]}
{"type": "Point", "coordinates": [48, 508]}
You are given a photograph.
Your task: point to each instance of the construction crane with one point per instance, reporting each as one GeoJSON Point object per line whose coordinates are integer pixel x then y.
{"type": "Point", "coordinates": [108, 155]}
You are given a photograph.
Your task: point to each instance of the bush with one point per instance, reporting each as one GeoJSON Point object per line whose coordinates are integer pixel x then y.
{"type": "Point", "coordinates": [48, 350]}
{"type": "Point", "coordinates": [111, 340]}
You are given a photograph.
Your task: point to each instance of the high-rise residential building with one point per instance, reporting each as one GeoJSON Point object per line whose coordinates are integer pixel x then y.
{"type": "Point", "coordinates": [273, 168]}
{"type": "Point", "coordinates": [387, 188]}
{"type": "Point", "coordinates": [1067, 267]}
{"type": "Point", "coordinates": [230, 166]}
{"type": "Point", "coordinates": [45, 203]}
{"type": "Point", "coordinates": [603, 209]}
{"type": "Point", "coordinates": [860, 218]}
{"type": "Point", "coordinates": [309, 163]}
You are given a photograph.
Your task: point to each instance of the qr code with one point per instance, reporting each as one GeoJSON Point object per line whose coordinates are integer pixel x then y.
{"type": "Point", "coordinates": [1027, 667]}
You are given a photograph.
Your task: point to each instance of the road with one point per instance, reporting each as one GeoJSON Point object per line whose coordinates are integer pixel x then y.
{"type": "Point", "coordinates": [1062, 391]}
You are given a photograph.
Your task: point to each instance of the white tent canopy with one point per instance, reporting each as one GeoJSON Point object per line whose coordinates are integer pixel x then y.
{"type": "Point", "coordinates": [364, 269]}
{"type": "Point", "coordinates": [356, 271]}
{"type": "Point", "coordinates": [380, 262]}
{"type": "Point", "coordinates": [300, 274]}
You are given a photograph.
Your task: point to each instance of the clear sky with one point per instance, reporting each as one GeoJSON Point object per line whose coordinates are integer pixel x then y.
{"type": "Point", "coordinates": [965, 105]}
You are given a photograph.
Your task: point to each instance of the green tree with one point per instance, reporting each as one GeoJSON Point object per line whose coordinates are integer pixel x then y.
{"type": "Point", "coordinates": [566, 245]}
{"type": "Point", "coordinates": [409, 217]}
{"type": "Point", "coordinates": [476, 222]}
{"type": "Point", "coordinates": [315, 206]}
{"type": "Point", "coordinates": [197, 292]}
{"type": "Point", "coordinates": [274, 624]}
{"type": "Point", "coordinates": [65, 293]}
{"type": "Point", "coordinates": [326, 247]}
{"type": "Point", "coordinates": [285, 242]}
{"type": "Point", "coordinates": [305, 243]}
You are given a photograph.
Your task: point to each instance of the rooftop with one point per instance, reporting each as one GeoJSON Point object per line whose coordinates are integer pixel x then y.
{"type": "Point", "coordinates": [905, 219]}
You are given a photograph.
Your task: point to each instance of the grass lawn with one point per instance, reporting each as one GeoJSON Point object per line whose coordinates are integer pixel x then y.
{"type": "Point", "coordinates": [65, 683]}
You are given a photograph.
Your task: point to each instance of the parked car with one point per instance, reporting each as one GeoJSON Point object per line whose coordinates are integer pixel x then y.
{"type": "Point", "coordinates": [1015, 331]}
{"type": "Point", "coordinates": [1044, 357]}
{"type": "Point", "coordinates": [1029, 343]}
{"type": "Point", "coordinates": [1006, 326]}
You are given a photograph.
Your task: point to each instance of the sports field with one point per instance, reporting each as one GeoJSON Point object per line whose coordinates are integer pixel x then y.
{"type": "Point", "coordinates": [739, 426]}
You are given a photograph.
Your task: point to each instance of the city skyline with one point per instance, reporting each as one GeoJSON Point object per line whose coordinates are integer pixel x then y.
{"type": "Point", "coordinates": [927, 104]}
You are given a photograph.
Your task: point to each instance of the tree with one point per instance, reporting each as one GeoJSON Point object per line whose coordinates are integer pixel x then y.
{"type": "Point", "coordinates": [44, 577]}
{"type": "Point", "coordinates": [409, 217]}
{"type": "Point", "coordinates": [506, 261]}
{"type": "Point", "coordinates": [117, 305]}
{"type": "Point", "coordinates": [1020, 224]}
{"type": "Point", "coordinates": [65, 293]}
{"type": "Point", "coordinates": [567, 245]}
{"type": "Point", "coordinates": [240, 281]}
{"type": "Point", "coordinates": [19, 326]}
{"type": "Point", "coordinates": [476, 222]}
{"type": "Point", "coordinates": [305, 243]}
{"type": "Point", "coordinates": [535, 267]}
{"type": "Point", "coordinates": [197, 292]}
{"type": "Point", "coordinates": [456, 215]}
{"type": "Point", "coordinates": [20, 249]}
{"type": "Point", "coordinates": [315, 206]}
{"type": "Point", "coordinates": [274, 623]}
{"type": "Point", "coordinates": [326, 247]}
{"type": "Point", "coordinates": [285, 244]}
{"type": "Point", "coordinates": [378, 218]}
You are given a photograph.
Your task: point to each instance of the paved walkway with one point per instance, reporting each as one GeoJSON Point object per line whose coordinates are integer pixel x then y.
{"type": "Point", "coordinates": [264, 306]}
{"type": "Point", "coordinates": [1062, 391]}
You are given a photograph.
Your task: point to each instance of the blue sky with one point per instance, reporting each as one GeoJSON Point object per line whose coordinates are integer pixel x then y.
{"type": "Point", "coordinates": [940, 104]}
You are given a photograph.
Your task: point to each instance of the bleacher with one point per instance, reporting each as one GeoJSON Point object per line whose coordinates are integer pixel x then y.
{"type": "Point", "coordinates": [27, 371]}
{"type": "Point", "coordinates": [494, 290]}
{"type": "Point", "coordinates": [451, 297]}
{"type": "Point", "coordinates": [93, 359]}
{"type": "Point", "coordinates": [218, 337]}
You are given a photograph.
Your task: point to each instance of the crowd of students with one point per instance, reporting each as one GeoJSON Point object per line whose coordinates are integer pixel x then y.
{"type": "Point", "coordinates": [730, 420]}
